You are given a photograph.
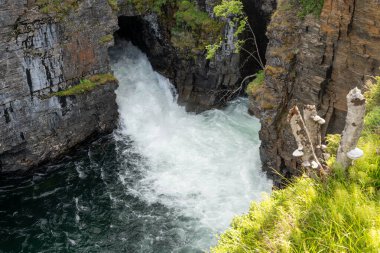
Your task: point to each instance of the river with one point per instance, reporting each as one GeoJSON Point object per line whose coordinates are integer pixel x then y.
{"type": "Point", "coordinates": [165, 181]}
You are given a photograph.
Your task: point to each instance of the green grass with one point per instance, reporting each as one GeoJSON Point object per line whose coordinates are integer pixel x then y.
{"type": "Point", "coordinates": [373, 97]}
{"type": "Point", "coordinates": [338, 214]}
{"type": "Point", "coordinates": [372, 120]}
{"type": "Point", "coordinates": [333, 141]}
{"type": "Point", "coordinates": [86, 85]}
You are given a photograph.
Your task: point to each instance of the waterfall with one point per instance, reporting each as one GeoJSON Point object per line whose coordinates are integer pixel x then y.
{"type": "Point", "coordinates": [204, 166]}
{"type": "Point", "coordinates": [165, 181]}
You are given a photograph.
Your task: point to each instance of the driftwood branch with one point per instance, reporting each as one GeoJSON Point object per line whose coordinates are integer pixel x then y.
{"type": "Point", "coordinates": [260, 61]}
{"type": "Point", "coordinates": [347, 150]}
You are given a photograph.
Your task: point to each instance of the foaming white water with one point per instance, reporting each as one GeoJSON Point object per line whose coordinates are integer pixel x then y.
{"type": "Point", "coordinates": [205, 166]}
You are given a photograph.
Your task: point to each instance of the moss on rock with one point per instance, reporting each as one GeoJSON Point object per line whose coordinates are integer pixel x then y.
{"type": "Point", "coordinates": [86, 85]}
{"type": "Point", "coordinates": [106, 39]}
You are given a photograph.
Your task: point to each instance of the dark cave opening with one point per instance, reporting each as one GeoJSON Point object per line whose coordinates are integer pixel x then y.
{"type": "Point", "coordinates": [195, 81]}
{"type": "Point", "coordinates": [259, 14]}
{"type": "Point", "coordinates": [133, 29]}
{"type": "Point", "coordinates": [142, 34]}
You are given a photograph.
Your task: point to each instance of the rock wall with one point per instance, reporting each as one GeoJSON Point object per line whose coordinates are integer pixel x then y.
{"type": "Point", "coordinates": [45, 49]}
{"type": "Point", "coordinates": [200, 83]}
{"type": "Point", "coordinates": [315, 60]}
{"type": "Point", "coordinates": [41, 54]}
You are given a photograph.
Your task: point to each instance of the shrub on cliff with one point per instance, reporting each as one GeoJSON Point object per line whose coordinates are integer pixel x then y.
{"type": "Point", "coordinates": [310, 7]}
{"type": "Point", "coordinates": [256, 83]}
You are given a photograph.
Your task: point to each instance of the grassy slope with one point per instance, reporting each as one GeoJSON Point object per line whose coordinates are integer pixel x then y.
{"type": "Point", "coordinates": [341, 214]}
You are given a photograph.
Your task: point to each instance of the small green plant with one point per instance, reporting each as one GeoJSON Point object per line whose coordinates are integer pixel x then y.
{"type": "Point", "coordinates": [256, 83]}
{"type": "Point", "coordinates": [86, 85]}
{"type": "Point", "coordinates": [232, 10]}
{"type": "Point", "coordinates": [106, 38]}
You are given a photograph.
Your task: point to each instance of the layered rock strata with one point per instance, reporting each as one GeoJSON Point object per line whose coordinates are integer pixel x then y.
{"type": "Point", "coordinates": [42, 54]}
{"type": "Point", "coordinates": [314, 60]}
{"type": "Point", "coordinates": [47, 48]}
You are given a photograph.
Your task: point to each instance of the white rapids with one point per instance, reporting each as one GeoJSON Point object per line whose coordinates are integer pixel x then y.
{"type": "Point", "coordinates": [205, 166]}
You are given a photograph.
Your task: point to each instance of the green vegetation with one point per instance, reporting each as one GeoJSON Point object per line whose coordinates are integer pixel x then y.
{"type": "Point", "coordinates": [86, 85]}
{"type": "Point", "coordinates": [338, 214]}
{"type": "Point", "coordinates": [58, 7]}
{"type": "Point", "coordinates": [372, 120]}
{"type": "Point", "coordinates": [232, 9]}
{"type": "Point", "coordinates": [309, 7]}
{"type": "Point", "coordinates": [194, 28]}
{"type": "Point", "coordinates": [113, 4]}
{"type": "Point", "coordinates": [145, 6]}
{"type": "Point", "coordinates": [373, 97]}
{"type": "Point", "coordinates": [106, 38]}
{"type": "Point", "coordinates": [256, 83]}
{"type": "Point", "coordinates": [191, 28]}
{"type": "Point", "coordinates": [333, 141]}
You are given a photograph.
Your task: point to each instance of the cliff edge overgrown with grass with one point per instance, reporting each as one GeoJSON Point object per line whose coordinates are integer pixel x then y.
{"type": "Point", "coordinates": [338, 214]}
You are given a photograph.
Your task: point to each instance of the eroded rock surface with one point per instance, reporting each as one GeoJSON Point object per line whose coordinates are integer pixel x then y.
{"type": "Point", "coordinates": [200, 83]}
{"type": "Point", "coordinates": [45, 50]}
{"type": "Point", "coordinates": [314, 61]}
{"type": "Point", "coordinates": [41, 54]}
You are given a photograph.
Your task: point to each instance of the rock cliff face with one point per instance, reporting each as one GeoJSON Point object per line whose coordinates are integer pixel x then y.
{"type": "Point", "coordinates": [41, 54]}
{"type": "Point", "coordinates": [200, 83]}
{"type": "Point", "coordinates": [314, 61]}
{"type": "Point", "coordinates": [45, 49]}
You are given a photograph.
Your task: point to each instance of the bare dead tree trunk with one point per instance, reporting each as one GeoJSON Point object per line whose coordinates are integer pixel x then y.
{"type": "Point", "coordinates": [313, 124]}
{"type": "Point", "coordinates": [353, 128]}
{"type": "Point", "coordinates": [305, 148]}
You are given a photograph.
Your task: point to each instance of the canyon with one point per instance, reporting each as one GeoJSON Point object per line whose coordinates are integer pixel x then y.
{"type": "Point", "coordinates": [309, 60]}
{"type": "Point", "coordinates": [120, 132]}
{"type": "Point", "coordinates": [46, 51]}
